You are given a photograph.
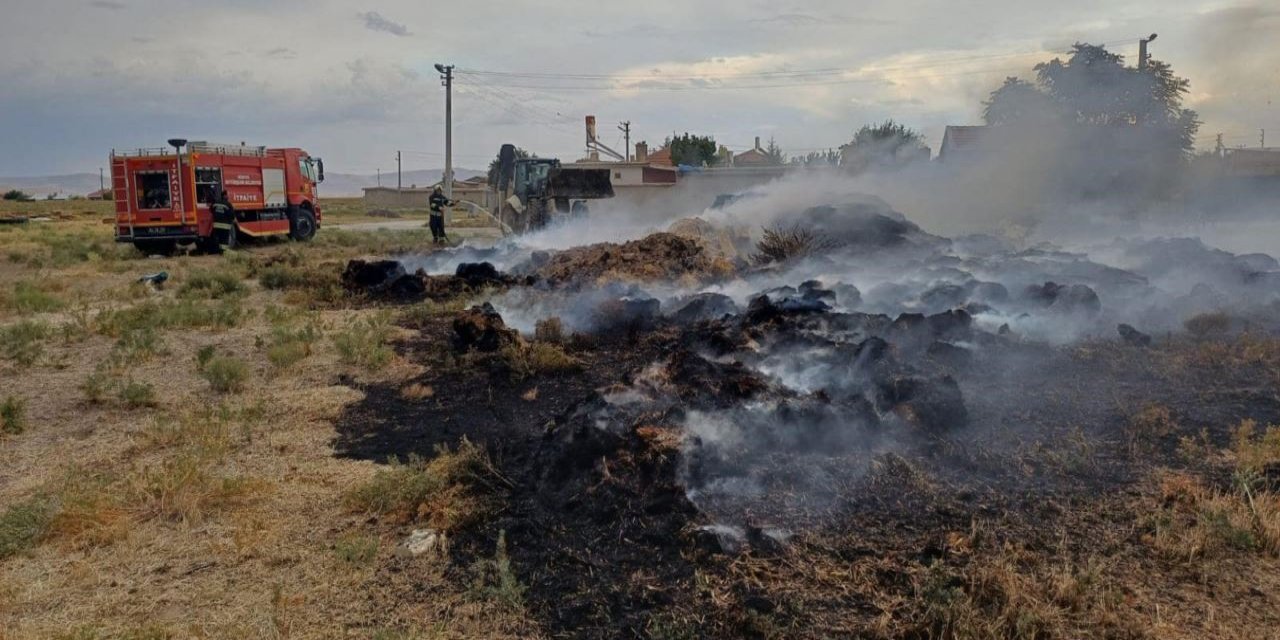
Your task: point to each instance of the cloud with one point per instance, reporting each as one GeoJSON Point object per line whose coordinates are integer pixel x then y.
{"type": "Point", "coordinates": [107, 4]}
{"type": "Point", "coordinates": [374, 21]}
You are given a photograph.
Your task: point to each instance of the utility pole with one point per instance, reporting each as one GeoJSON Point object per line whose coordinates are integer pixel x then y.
{"type": "Point", "coordinates": [379, 176]}
{"type": "Point", "coordinates": [1262, 139]}
{"type": "Point", "coordinates": [102, 184]}
{"type": "Point", "coordinates": [1142, 52]}
{"type": "Point", "coordinates": [625, 128]}
{"type": "Point", "coordinates": [446, 75]}
{"type": "Point", "coordinates": [399, 181]}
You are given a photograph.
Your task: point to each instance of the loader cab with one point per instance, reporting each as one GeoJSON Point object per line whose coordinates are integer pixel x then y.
{"type": "Point", "coordinates": [531, 176]}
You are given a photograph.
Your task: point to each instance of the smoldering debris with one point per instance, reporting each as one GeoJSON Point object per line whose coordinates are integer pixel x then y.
{"type": "Point", "coordinates": [785, 380]}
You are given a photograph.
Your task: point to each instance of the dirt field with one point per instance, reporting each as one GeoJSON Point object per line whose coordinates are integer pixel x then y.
{"type": "Point", "coordinates": [242, 452]}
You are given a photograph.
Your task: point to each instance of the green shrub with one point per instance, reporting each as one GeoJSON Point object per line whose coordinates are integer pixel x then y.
{"type": "Point", "coordinates": [23, 342]}
{"type": "Point", "coordinates": [13, 415]}
{"type": "Point", "coordinates": [29, 298]}
{"type": "Point", "coordinates": [289, 346]}
{"type": "Point", "coordinates": [364, 344]}
{"type": "Point", "coordinates": [204, 355]}
{"type": "Point", "coordinates": [137, 394]}
{"type": "Point", "coordinates": [496, 581]}
{"type": "Point", "coordinates": [140, 344]}
{"type": "Point", "coordinates": [212, 285]}
{"type": "Point", "coordinates": [225, 374]}
{"type": "Point", "coordinates": [96, 386]}
{"type": "Point", "coordinates": [23, 525]}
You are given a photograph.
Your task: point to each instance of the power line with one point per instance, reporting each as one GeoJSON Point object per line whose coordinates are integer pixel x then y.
{"type": "Point", "coordinates": [512, 76]}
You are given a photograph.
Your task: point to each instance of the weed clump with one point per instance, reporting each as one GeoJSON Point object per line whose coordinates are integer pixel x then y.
{"type": "Point", "coordinates": [211, 285]}
{"type": "Point", "coordinates": [781, 244]}
{"type": "Point", "coordinates": [357, 549]}
{"type": "Point", "coordinates": [23, 342]}
{"type": "Point", "coordinates": [449, 491]}
{"type": "Point", "coordinates": [22, 525]}
{"type": "Point", "coordinates": [495, 580]}
{"type": "Point", "coordinates": [527, 360]}
{"type": "Point", "coordinates": [30, 298]}
{"type": "Point", "coordinates": [135, 395]}
{"type": "Point", "coordinates": [225, 374]}
{"type": "Point", "coordinates": [287, 347]}
{"type": "Point", "coordinates": [13, 415]}
{"type": "Point", "coordinates": [364, 344]}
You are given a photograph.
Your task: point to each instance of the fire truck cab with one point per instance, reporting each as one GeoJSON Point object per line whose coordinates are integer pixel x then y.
{"type": "Point", "coordinates": [166, 197]}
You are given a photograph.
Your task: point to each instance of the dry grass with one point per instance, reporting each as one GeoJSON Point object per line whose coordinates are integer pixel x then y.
{"type": "Point", "coordinates": [417, 391]}
{"type": "Point", "coordinates": [781, 244]}
{"type": "Point", "coordinates": [1208, 325]}
{"type": "Point", "coordinates": [549, 330]}
{"type": "Point", "coordinates": [525, 360]}
{"type": "Point", "coordinates": [1149, 426]}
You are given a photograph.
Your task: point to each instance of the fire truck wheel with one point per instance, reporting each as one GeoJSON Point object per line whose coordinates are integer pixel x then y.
{"type": "Point", "coordinates": [156, 247]}
{"type": "Point", "coordinates": [302, 225]}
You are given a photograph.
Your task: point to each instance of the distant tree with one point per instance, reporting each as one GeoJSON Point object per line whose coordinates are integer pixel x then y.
{"type": "Point", "coordinates": [1016, 101]}
{"type": "Point", "coordinates": [18, 196]}
{"type": "Point", "coordinates": [888, 144]}
{"type": "Point", "coordinates": [773, 153]}
{"type": "Point", "coordinates": [818, 158]}
{"type": "Point", "coordinates": [692, 150]}
{"type": "Point", "coordinates": [493, 165]}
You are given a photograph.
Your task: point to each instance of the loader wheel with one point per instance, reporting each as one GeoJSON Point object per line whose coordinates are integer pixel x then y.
{"type": "Point", "coordinates": [302, 225]}
{"type": "Point", "coordinates": [156, 247]}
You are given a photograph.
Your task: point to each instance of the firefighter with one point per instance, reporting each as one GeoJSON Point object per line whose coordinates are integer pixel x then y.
{"type": "Point", "coordinates": [438, 202]}
{"type": "Point", "coordinates": [224, 218]}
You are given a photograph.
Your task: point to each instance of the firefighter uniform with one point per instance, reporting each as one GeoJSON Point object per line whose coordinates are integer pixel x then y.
{"type": "Point", "coordinates": [438, 202]}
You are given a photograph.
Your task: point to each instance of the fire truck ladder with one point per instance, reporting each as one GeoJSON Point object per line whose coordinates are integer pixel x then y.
{"type": "Point", "coordinates": [120, 189]}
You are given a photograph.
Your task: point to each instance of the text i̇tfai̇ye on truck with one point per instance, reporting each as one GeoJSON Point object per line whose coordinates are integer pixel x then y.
{"type": "Point", "coordinates": [213, 195]}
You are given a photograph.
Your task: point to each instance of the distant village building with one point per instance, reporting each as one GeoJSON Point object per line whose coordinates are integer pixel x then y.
{"type": "Point", "coordinates": [474, 190]}
{"type": "Point", "coordinates": [1252, 163]}
{"type": "Point", "coordinates": [754, 157]}
{"type": "Point", "coordinates": [100, 194]}
{"type": "Point", "coordinates": [959, 142]}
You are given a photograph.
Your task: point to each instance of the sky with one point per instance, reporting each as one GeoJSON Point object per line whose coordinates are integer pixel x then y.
{"type": "Point", "coordinates": [354, 82]}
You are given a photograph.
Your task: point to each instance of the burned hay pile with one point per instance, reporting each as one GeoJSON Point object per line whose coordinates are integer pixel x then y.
{"type": "Point", "coordinates": [817, 447]}
{"type": "Point", "coordinates": [659, 257]}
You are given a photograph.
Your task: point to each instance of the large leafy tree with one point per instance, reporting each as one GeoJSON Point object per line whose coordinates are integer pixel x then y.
{"type": "Point", "coordinates": [887, 144]}
{"type": "Point", "coordinates": [692, 150]}
{"type": "Point", "coordinates": [1094, 88]}
{"type": "Point", "coordinates": [1105, 129]}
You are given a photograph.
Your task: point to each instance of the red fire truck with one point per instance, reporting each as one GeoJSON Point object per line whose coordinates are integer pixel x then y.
{"type": "Point", "coordinates": [169, 196]}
